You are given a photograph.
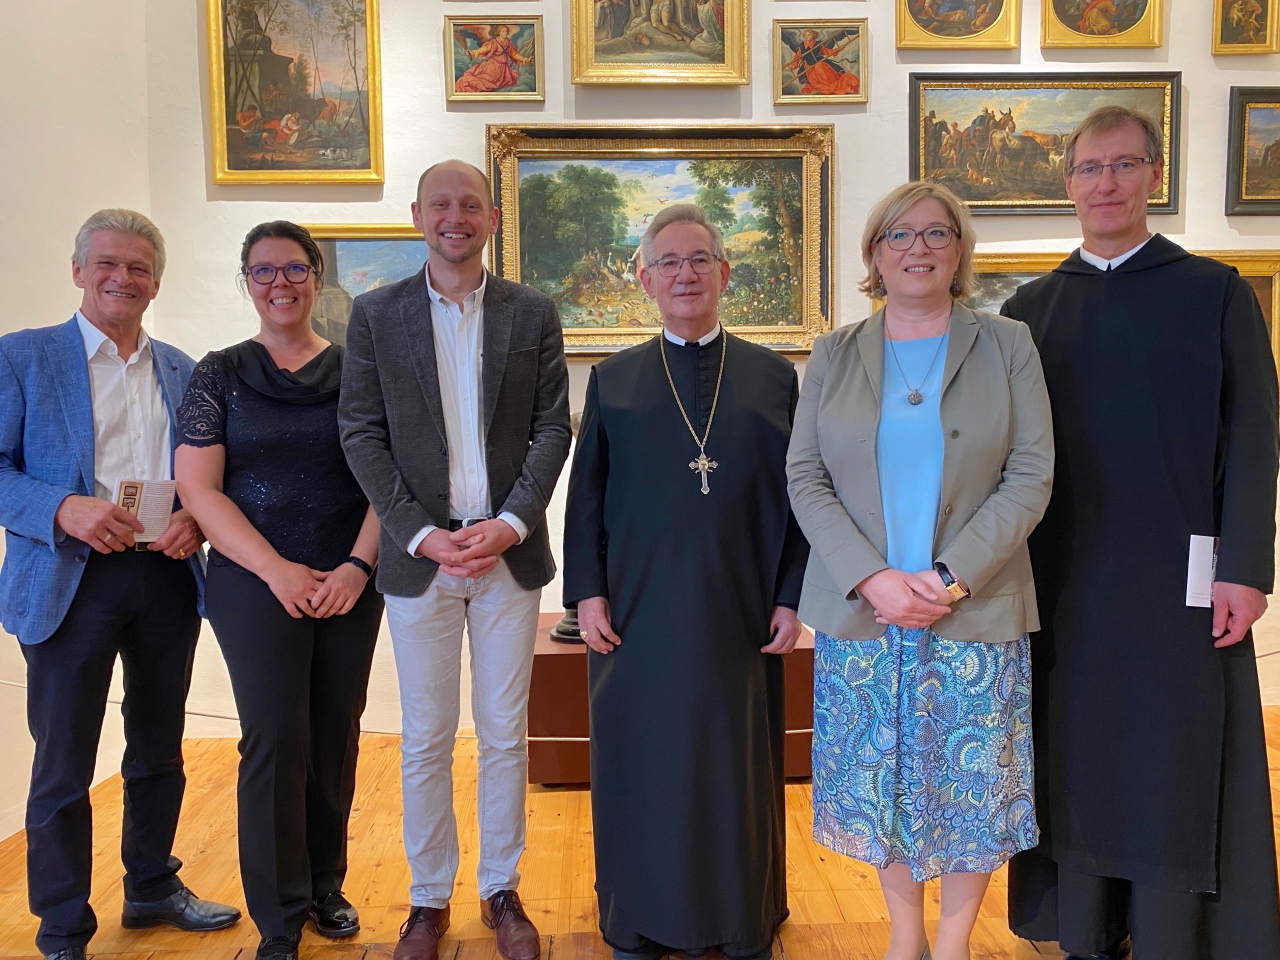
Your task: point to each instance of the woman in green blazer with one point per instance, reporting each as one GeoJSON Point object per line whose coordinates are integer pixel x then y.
{"type": "Point", "coordinates": [920, 460]}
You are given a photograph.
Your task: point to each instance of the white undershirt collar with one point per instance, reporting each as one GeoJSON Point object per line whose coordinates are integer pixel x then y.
{"type": "Point", "coordinates": [680, 342]}
{"type": "Point", "coordinates": [1094, 260]}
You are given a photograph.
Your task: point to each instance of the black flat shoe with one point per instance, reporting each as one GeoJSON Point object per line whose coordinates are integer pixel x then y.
{"type": "Point", "coordinates": [66, 953]}
{"type": "Point", "coordinates": [183, 910]}
{"type": "Point", "coordinates": [279, 948]}
{"type": "Point", "coordinates": [334, 916]}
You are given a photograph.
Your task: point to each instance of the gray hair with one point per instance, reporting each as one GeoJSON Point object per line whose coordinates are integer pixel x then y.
{"type": "Point", "coordinates": [1106, 119]}
{"type": "Point", "coordinates": [680, 213]}
{"type": "Point", "coordinates": [119, 220]}
{"type": "Point", "coordinates": [898, 202]}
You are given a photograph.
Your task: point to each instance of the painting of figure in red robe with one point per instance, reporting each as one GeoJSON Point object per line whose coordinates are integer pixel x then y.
{"type": "Point", "coordinates": [494, 60]}
{"type": "Point", "coordinates": [819, 61]}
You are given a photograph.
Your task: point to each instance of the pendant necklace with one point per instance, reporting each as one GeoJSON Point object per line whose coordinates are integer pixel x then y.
{"type": "Point", "coordinates": [914, 396]}
{"type": "Point", "coordinates": [702, 466]}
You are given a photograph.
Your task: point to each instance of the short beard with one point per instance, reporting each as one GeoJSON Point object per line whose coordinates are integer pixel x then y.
{"type": "Point", "coordinates": [438, 250]}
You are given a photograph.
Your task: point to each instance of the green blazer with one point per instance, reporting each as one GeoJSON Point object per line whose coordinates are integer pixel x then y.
{"type": "Point", "coordinates": [996, 477]}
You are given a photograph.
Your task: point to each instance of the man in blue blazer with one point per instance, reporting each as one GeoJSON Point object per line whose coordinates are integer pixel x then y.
{"type": "Point", "coordinates": [84, 405]}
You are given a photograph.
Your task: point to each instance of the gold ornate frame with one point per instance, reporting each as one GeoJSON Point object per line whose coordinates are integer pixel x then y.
{"type": "Point", "coordinates": [540, 50]}
{"type": "Point", "coordinates": [1001, 35]}
{"type": "Point", "coordinates": [736, 68]}
{"type": "Point", "coordinates": [1270, 45]}
{"type": "Point", "coordinates": [1147, 32]}
{"type": "Point", "coordinates": [508, 144]}
{"type": "Point", "coordinates": [776, 52]}
{"type": "Point", "coordinates": [218, 113]}
{"type": "Point", "coordinates": [363, 231]}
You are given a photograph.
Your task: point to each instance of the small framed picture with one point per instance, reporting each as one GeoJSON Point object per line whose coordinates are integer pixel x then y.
{"type": "Point", "coordinates": [820, 61]}
{"type": "Point", "coordinates": [493, 58]}
{"type": "Point", "coordinates": [1100, 23]}
{"type": "Point", "coordinates": [1253, 152]}
{"type": "Point", "coordinates": [957, 24]}
{"type": "Point", "coordinates": [1246, 26]}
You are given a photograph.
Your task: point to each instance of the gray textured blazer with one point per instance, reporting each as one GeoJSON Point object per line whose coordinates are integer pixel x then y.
{"type": "Point", "coordinates": [392, 421]}
{"type": "Point", "coordinates": [996, 477]}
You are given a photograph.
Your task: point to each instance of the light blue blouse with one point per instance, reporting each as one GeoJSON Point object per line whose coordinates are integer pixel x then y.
{"type": "Point", "coordinates": [909, 450]}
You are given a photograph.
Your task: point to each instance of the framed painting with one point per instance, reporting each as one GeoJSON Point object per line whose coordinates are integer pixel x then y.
{"type": "Point", "coordinates": [1253, 152]}
{"type": "Point", "coordinates": [493, 59]}
{"type": "Point", "coordinates": [576, 199]}
{"type": "Point", "coordinates": [1101, 23]}
{"type": "Point", "coordinates": [819, 61]}
{"type": "Point", "coordinates": [957, 24]}
{"type": "Point", "coordinates": [295, 91]}
{"type": "Point", "coordinates": [1246, 26]}
{"type": "Point", "coordinates": [996, 139]}
{"type": "Point", "coordinates": [660, 41]}
{"type": "Point", "coordinates": [360, 257]}
{"type": "Point", "coordinates": [1261, 270]}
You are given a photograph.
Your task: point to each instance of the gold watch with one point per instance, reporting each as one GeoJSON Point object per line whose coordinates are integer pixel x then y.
{"type": "Point", "coordinates": [953, 586]}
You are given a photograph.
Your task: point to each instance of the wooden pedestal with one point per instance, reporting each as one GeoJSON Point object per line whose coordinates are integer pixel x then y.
{"type": "Point", "coordinates": [559, 725]}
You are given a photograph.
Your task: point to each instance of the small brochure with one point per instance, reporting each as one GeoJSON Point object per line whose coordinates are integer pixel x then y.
{"type": "Point", "coordinates": [151, 501]}
{"type": "Point", "coordinates": [1202, 562]}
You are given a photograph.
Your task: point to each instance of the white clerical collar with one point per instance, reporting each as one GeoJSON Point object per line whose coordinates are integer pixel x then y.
{"type": "Point", "coordinates": [475, 296]}
{"type": "Point", "coordinates": [94, 339]}
{"type": "Point", "coordinates": [1097, 261]}
{"type": "Point", "coordinates": [679, 342]}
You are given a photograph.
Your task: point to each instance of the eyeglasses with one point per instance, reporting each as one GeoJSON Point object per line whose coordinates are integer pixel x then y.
{"type": "Point", "coordinates": [1126, 168]}
{"type": "Point", "coordinates": [265, 273]}
{"type": "Point", "coordinates": [702, 263]}
{"type": "Point", "coordinates": [904, 238]}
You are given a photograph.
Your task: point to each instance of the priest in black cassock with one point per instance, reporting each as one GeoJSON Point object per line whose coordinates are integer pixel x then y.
{"type": "Point", "coordinates": [685, 564]}
{"type": "Point", "coordinates": [1151, 768]}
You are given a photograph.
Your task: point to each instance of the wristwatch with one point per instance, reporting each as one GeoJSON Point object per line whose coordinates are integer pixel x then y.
{"type": "Point", "coordinates": [954, 587]}
{"type": "Point", "coordinates": [360, 565]}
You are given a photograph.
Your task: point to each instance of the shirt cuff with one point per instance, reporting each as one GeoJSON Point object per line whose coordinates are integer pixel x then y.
{"type": "Point", "coordinates": [516, 524]}
{"type": "Point", "coordinates": [419, 537]}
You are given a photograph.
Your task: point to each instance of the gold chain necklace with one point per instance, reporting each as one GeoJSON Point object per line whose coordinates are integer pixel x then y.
{"type": "Point", "coordinates": [702, 465]}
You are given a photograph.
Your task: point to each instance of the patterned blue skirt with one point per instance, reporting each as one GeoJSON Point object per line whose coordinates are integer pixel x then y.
{"type": "Point", "coordinates": [922, 751]}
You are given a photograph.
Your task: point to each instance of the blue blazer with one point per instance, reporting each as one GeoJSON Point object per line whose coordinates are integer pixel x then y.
{"type": "Point", "coordinates": [46, 453]}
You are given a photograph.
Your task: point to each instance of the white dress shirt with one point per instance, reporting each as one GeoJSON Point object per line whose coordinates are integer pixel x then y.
{"type": "Point", "coordinates": [459, 335]}
{"type": "Point", "coordinates": [130, 420]}
{"type": "Point", "coordinates": [1097, 261]}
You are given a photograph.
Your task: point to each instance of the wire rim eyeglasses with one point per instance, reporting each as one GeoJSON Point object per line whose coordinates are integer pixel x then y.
{"type": "Point", "coordinates": [702, 264]}
{"type": "Point", "coordinates": [1126, 168]}
{"type": "Point", "coordinates": [904, 238]}
{"type": "Point", "coordinates": [266, 273]}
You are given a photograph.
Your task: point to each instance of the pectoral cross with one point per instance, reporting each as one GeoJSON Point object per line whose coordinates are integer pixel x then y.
{"type": "Point", "coordinates": [704, 467]}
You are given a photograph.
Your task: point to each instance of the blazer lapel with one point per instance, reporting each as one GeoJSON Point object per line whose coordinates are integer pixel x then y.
{"type": "Point", "coordinates": [498, 320]}
{"type": "Point", "coordinates": [871, 350]}
{"type": "Point", "coordinates": [172, 389]}
{"type": "Point", "coordinates": [964, 331]}
{"type": "Point", "coordinates": [420, 342]}
{"type": "Point", "coordinates": [66, 354]}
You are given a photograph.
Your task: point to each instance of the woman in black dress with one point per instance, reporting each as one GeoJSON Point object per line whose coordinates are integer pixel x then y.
{"type": "Point", "coordinates": [289, 590]}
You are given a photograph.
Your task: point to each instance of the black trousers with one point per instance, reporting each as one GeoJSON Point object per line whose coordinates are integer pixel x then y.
{"type": "Point", "coordinates": [142, 607]}
{"type": "Point", "coordinates": [300, 689]}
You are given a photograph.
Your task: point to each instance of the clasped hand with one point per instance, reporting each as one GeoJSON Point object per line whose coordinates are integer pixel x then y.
{"type": "Point", "coordinates": [108, 528]}
{"type": "Point", "coordinates": [470, 552]}
{"type": "Point", "coordinates": [304, 592]}
{"type": "Point", "coordinates": [907, 600]}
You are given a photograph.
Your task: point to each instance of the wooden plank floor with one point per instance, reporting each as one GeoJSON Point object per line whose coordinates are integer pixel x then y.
{"type": "Point", "coordinates": [836, 908]}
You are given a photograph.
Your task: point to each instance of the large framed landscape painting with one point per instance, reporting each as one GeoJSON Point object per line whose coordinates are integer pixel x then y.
{"type": "Point", "coordinates": [488, 59]}
{"type": "Point", "coordinates": [359, 257]}
{"type": "Point", "coordinates": [1253, 151]}
{"type": "Point", "coordinates": [819, 61]}
{"type": "Point", "coordinates": [957, 24]}
{"type": "Point", "coordinates": [294, 91]}
{"type": "Point", "coordinates": [1101, 23]}
{"type": "Point", "coordinates": [1246, 26]}
{"type": "Point", "coordinates": [660, 41]}
{"type": "Point", "coordinates": [997, 139]}
{"type": "Point", "coordinates": [576, 198]}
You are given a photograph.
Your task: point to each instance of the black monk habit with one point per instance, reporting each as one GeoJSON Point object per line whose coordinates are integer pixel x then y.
{"type": "Point", "coordinates": [1151, 765]}
{"type": "Point", "coordinates": [686, 715]}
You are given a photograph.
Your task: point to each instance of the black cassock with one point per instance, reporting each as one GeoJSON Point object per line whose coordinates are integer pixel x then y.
{"type": "Point", "coordinates": [1151, 770]}
{"type": "Point", "coordinates": [687, 714]}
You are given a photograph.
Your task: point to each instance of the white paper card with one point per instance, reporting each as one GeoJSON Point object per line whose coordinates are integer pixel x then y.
{"type": "Point", "coordinates": [1202, 562]}
{"type": "Point", "coordinates": [151, 501]}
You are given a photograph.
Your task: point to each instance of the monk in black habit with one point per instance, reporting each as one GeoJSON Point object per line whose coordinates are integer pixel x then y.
{"type": "Point", "coordinates": [1151, 769]}
{"type": "Point", "coordinates": [685, 564]}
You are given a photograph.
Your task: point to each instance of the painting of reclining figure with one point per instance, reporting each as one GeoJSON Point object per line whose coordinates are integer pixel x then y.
{"type": "Point", "coordinates": [659, 41]}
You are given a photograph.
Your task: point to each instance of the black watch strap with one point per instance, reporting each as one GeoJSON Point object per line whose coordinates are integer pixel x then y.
{"type": "Point", "coordinates": [359, 565]}
{"type": "Point", "coordinates": [954, 587]}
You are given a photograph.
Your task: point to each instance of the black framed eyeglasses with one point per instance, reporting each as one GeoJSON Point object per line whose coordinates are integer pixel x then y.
{"type": "Point", "coordinates": [266, 273]}
{"type": "Point", "coordinates": [702, 264]}
{"type": "Point", "coordinates": [904, 238]}
{"type": "Point", "coordinates": [1126, 168]}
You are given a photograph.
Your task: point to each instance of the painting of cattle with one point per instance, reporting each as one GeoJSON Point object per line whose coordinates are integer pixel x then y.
{"type": "Point", "coordinates": [998, 140]}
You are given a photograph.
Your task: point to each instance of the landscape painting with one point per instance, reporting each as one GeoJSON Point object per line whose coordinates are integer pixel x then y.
{"type": "Point", "coordinates": [579, 216]}
{"type": "Point", "coordinates": [660, 41]}
{"type": "Point", "coordinates": [494, 59]}
{"type": "Point", "coordinates": [358, 258]}
{"type": "Point", "coordinates": [1246, 26]}
{"type": "Point", "coordinates": [997, 139]}
{"type": "Point", "coordinates": [820, 61]}
{"type": "Point", "coordinates": [957, 24]}
{"type": "Point", "coordinates": [1253, 151]}
{"type": "Point", "coordinates": [1100, 23]}
{"type": "Point", "coordinates": [295, 91]}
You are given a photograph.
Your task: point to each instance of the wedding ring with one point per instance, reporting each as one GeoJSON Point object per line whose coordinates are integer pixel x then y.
{"type": "Point", "coordinates": [182, 554]}
{"type": "Point", "coordinates": [108, 538]}
{"type": "Point", "coordinates": [582, 634]}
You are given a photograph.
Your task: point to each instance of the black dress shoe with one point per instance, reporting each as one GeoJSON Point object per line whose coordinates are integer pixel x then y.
{"type": "Point", "coordinates": [334, 916]}
{"type": "Point", "coordinates": [279, 948]}
{"type": "Point", "coordinates": [66, 953]}
{"type": "Point", "coordinates": [183, 910]}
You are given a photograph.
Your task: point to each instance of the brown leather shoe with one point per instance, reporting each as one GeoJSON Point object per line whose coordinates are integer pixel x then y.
{"type": "Point", "coordinates": [517, 936]}
{"type": "Point", "coordinates": [421, 933]}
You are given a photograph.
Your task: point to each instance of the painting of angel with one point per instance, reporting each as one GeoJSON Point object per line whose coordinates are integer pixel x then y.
{"type": "Point", "coordinates": [819, 61]}
{"type": "Point", "coordinates": [494, 59]}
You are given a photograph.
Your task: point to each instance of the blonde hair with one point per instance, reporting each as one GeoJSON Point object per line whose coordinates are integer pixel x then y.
{"type": "Point", "coordinates": [119, 220]}
{"type": "Point", "coordinates": [1106, 119]}
{"type": "Point", "coordinates": [898, 202]}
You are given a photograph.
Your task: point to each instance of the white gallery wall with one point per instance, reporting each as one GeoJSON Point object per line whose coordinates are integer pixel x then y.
{"type": "Point", "coordinates": [107, 104]}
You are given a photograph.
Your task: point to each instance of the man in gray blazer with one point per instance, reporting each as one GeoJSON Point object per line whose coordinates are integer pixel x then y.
{"type": "Point", "coordinates": [455, 418]}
